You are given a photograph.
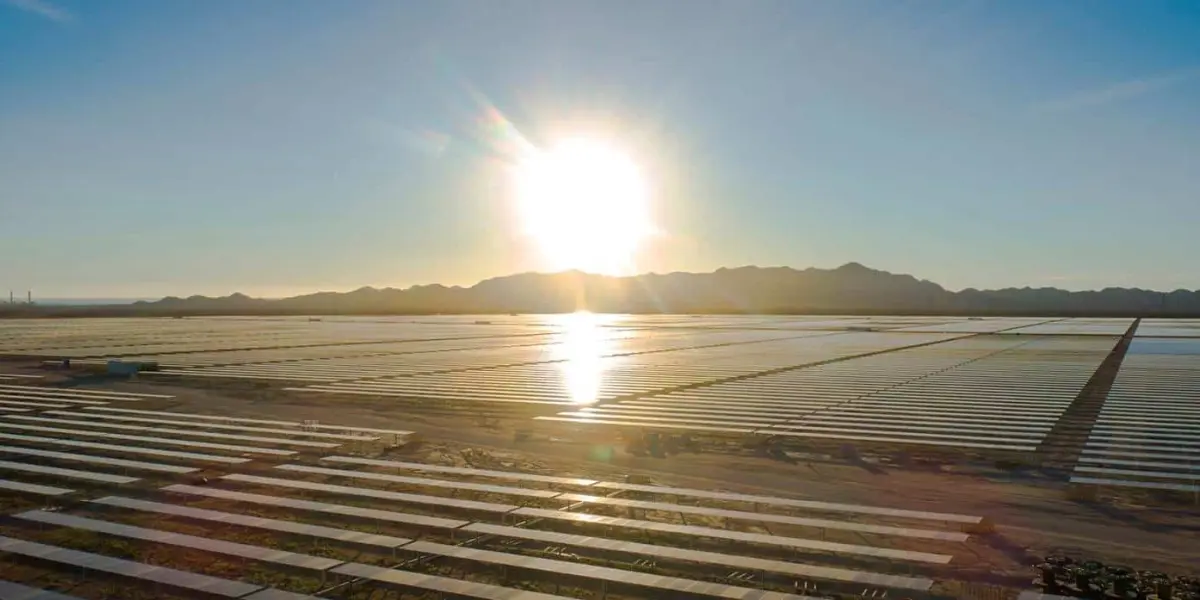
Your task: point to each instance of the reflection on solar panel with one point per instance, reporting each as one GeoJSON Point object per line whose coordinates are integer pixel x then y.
{"type": "Point", "coordinates": [171, 578]}
{"type": "Point", "coordinates": [14, 591]}
{"type": "Point", "coordinates": [7, 465]}
{"type": "Point", "coordinates": [329, 533]}
{"type": "Point", "coordinates": [99, 460]}
{"type": "Point", "coordinates": [278, 557]}
{"type": "Point", "coordinates": [122, 449]}
{"type": "Point", "coordinates": [655, 372]}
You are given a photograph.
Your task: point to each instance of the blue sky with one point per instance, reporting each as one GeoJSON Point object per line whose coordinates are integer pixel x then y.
{"type": "Point", "coordinates": [276, 147]}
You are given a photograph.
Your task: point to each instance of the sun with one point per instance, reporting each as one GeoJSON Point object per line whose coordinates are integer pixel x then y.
{"type": "Point", "coordinates": [585, 204]}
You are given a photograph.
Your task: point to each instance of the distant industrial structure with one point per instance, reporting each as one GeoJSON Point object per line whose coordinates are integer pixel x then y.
{"type": "Point", "coordinates": [13, 300]}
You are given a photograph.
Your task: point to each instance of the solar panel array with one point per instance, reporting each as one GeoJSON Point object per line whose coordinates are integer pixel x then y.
{"type": "Point", "coordinates": [350, 349]}
{"type": "Point", "coordinates": [303, 521]}
{"type": "Point", "coordinates": [1148, 433]}
{"type": "Point", "coordinates": [301, 510]}
{"type": "Point", "coordinates": [948, 394]}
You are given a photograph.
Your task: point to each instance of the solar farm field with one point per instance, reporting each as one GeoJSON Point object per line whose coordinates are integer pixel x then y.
{"type": "Point", "coordinates": [586, 456]}
{"type": "Point", "coordinates": [107, 498]}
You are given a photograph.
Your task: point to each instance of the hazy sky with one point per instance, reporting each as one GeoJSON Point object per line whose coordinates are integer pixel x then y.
{"type": "Point", "coordinates": [274, 147]}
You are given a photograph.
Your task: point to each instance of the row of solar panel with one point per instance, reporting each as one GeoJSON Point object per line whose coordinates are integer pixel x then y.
{"type": "Point", "coordinates": [1148, 432]}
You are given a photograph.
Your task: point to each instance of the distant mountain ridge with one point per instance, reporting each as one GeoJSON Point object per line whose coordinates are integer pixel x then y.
{"type": "Point", "coordinates": [850, 288]}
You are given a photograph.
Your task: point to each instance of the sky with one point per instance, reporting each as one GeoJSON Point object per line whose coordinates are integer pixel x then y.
{"type": "Point", "coordinates": [172, 147]}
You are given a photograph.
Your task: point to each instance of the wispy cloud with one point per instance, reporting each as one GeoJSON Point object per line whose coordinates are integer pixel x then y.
{"type": "Point", "coordinates": [1120, 91]}
{"type": "Point", "coordinates": [41, 8]}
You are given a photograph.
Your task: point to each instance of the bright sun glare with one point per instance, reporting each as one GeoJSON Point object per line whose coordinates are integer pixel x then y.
{"type": "Point", "coordinates": [585, 204]}
{"type": "Point", "coordinates": [583, 355]}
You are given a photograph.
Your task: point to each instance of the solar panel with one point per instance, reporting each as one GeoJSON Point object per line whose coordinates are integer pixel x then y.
{"type": "Point", "coordinates": [729, 535]}
{"type": "Point", "coordinates": [360, 429]}
{"type": "Point", "coordinates": [274, 594]}
{"type": "Point", "coordinates": [124, 449]}
{"type": "Point", "coordinates": [148, 439]}
{"type": "Point", "coordinates": [21, 404]}
{"type": "Point", "coordinates": [329, 533]}
{"type": "Point", "coordinates": [163, 413]}
{"type": "Point", "coordinates": [1182, 466]}
{"type": "Point", "coordinates": [454, 587]}
{"type": "Point", "coordinates": [902, 440]}
{"type": "Point", "coordinates": [1165, 455]}
{"type": "Point", "coordinates": [99, 460]}
{"type": "Point", "coordinates": [601, 413]}
{"type": "Point", "coordinates": [711, 558]}
{"type": "Point", "coordinates": [321, 507]}
{"type": "Point", "coordinates": [186, 432]}
{"type": "Point", "coordinates": [695, 493]}
{"type": "Point", "coordinates": [1031, 595]}
{"type": "Point", "coordinates": [372, 493]}
{"type": "Point", "coordinates": [769, 518]}
{"type": "Point", "coordinates": [560, 568]}
{"type": "Point", "coordinates": [65, 473]}
{"type": "Point", "coordinates": [16, 591]}
{"type": "Point", "coordinates": [173, 578]}
{"type": "Point", "coordinates": [1140, 473]}
{"type": "Point", "coordinates": [810, 504]}
{"type": "Point", "coordinates": [259, 553]}
{"type": "Point", "coordinates": [460, 470]}
{"type": "Point", "coordinates": [223, 427]}
{"type": "Point", "coordinates": [407, 393]}
{"type": "Point", "coordinates": [46, 398]}
{"type": "Point", "coordinates": [626, 423]}
{"type": "Point", "coordinates": [422, 481]}
{"type": "Point", "coordinates": [1137, 484]}
{"type": "Point", "coordinates": [30, 488]}
{"type": "Point", "coordinates": [83, 392]}
{"type": "Point", "coordinates": [950, 439]}
{"type": "Point", "coordinates": [1170, 447]}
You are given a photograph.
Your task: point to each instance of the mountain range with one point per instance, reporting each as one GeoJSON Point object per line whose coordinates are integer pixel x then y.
{"type": "Point", "coordinates": [849, 289]}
